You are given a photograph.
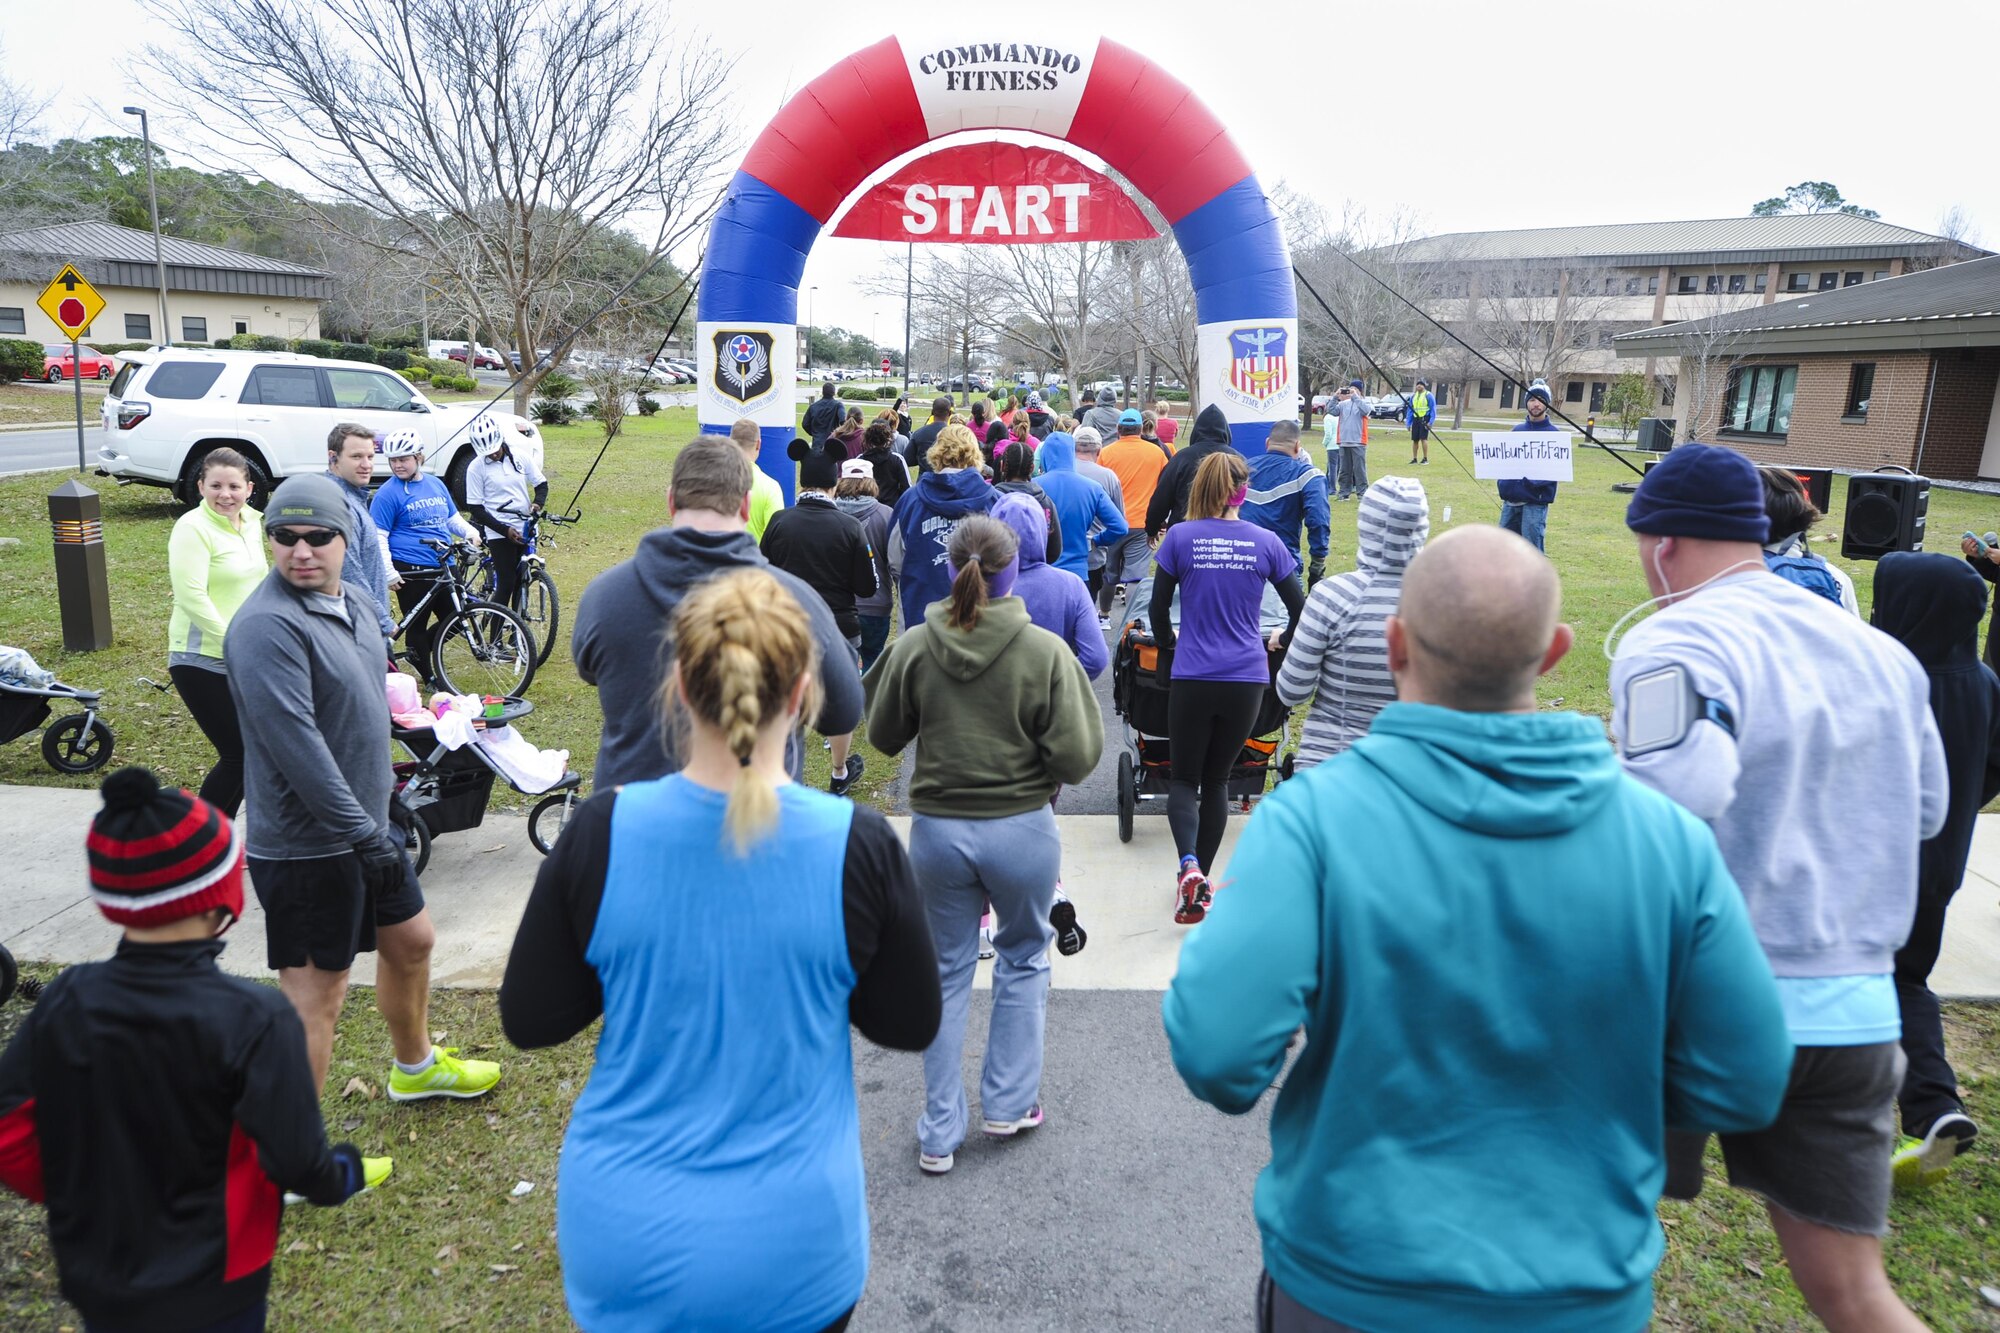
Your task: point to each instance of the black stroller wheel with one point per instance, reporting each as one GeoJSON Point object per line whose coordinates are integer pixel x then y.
{"type": "Point", "coordinates": [547, 820]}
{"type": "Point", "coordinates": [70, 746]}
{"type": "Point", "coordinates": [420, 856]}
{"type": "Point", "coordinates": [1128, 796]}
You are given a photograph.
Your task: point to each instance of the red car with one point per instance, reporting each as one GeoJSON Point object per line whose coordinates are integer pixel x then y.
{"type": "Point", "coordinates": [57, 367]}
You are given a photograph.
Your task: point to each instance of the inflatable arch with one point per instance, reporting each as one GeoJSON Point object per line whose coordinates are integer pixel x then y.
{"type": "Point", "coordinates": [890, 99]}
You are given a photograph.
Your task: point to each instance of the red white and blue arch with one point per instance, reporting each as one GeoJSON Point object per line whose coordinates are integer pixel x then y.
{"type": "Point", "coordinates": [898, 95]}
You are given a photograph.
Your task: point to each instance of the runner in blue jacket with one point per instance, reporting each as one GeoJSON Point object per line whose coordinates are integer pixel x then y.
{"type": "Point", "coordinates": [1287, 492]}
{"type": "Point", "coordinates": [1084, 512]}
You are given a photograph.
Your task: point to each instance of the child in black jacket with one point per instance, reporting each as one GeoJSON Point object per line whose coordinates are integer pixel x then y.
{"type": "Point", "coordinates": [158, 1106]}
{"type": "Point", "coordinates": [1932, 605]}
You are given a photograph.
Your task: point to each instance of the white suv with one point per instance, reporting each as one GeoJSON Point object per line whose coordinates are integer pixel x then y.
{"type": "Point", "coordinates": [169, 406]}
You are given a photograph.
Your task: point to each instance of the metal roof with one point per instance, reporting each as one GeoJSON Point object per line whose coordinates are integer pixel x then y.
{"type": "Point", "coordinates": [109, 241]}
{"type": "Point", "coordinates": [1954, 306]}
{"type": "Point", "coordinates": [1805, 237]}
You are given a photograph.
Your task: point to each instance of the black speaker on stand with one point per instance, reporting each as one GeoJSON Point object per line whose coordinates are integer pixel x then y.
{"type": "Point", "coordinates": [1886, 511]}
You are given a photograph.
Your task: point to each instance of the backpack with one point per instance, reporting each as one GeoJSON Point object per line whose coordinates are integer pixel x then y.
{"type": "Point", "coordinates": [1808, 571]}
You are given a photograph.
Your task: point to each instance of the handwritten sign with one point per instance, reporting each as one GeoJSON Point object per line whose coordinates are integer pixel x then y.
{"type": "Point", "coordinates": [1532, 455]}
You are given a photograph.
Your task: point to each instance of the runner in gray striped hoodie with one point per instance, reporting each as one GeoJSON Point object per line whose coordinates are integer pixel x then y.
{"type": "Point", "coordinates": [1338, 658]}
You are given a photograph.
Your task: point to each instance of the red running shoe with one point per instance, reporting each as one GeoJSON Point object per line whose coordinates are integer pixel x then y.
{"type": "Point", "coordinates": [1190, 896]}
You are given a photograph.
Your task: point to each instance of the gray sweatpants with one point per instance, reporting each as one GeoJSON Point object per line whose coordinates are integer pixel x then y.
{"type": "Point", "coordinates": [962, 864]}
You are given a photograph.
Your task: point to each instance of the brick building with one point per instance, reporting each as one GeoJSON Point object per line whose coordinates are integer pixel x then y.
{"type": "Point", "coordinates": [1549, 301]}
{"type": "Point", "coordinates": [1905, 371]}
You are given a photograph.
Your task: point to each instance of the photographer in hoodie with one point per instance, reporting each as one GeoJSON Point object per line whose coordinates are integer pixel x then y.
{"type": "Point", "coordinates": [1932, 605]}
{"type": "Point", "coordinates": [621, 645]}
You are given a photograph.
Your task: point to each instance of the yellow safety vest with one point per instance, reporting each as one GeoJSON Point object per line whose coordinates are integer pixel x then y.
{"type": "Point", "coordinates": [1420, 404]}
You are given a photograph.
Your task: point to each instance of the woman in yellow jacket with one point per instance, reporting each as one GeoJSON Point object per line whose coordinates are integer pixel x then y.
{"type": "Point", "coordinates": [216, 559]}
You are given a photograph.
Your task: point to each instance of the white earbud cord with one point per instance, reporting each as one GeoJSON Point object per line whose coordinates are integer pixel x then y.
{"type": "Point", "coordinates": [1610, 637]}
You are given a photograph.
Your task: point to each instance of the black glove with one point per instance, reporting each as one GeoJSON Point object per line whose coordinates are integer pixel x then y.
{"type": "Point", "coordinates": [381, 854]}
{"type": "Point", "coordinates": [1315, 572]}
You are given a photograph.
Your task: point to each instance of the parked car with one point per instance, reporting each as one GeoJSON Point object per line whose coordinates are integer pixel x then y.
{"type": "Point", "coordinates": [168, 407]}
{"type": "Point", "coordinates": [57, 365]}
{"type": "Point", "coordinates": [1388, 405]}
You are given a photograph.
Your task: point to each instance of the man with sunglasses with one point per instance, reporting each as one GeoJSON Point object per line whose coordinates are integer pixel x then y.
{"type": "Point", "coordinates": [326, 862]}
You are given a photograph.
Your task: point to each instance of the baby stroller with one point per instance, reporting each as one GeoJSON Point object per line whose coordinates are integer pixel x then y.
{"type": "Point", "coordinates": [442, 790]}
{"type": "Point", "coordinates": [1145, 764]}
{"type": "Point", "coordinates": [77, 743]}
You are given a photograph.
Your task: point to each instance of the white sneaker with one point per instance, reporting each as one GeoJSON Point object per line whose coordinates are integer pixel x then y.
{"type": "Point", "coordinates": [1007, 1129]}
{"type": "Point", "coordinates": [986, 949]}
{"type": "Point", "coordinates": [933, 1166]}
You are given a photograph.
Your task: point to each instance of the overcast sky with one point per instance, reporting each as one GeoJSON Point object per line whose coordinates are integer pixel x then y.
{"type": "Point", "coordinates": [1468, 115]}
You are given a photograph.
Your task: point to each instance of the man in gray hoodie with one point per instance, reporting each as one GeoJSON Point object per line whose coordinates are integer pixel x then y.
{"type": "Point", "coordinates": [326, 862]}
{"type": "Point", "coordinates": [1103, 418]}
{"type": "Point", "coordinates": [620, 645]}
{"type": "Point", "coordinates": [1347, 442]}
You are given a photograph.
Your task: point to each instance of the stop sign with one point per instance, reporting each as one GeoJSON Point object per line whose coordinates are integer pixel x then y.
{"type": "Point", "coordinates": [74, 315]}
{"type": "Point", "coordinates": [885, 365]}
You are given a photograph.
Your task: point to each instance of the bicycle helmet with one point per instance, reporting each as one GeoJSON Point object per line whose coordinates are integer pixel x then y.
{"type": "Point", "coordinates": [484, 433]}
{"type": "Point", "coordinates": [403, 444]}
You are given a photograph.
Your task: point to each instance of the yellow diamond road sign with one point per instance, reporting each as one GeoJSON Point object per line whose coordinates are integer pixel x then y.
{"type": "Point", "coordinates": [71, 302]}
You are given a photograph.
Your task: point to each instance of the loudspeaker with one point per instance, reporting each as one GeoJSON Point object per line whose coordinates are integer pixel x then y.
{"type": "Point", "coordinates": [1656, 433]}
{"type": "Point", "coordinates": [1885, 512]}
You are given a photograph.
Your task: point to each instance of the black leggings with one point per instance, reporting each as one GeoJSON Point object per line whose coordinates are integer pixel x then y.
{"type": "Point", "coordinates": [1207, 723]}
{"type": "Point", "coordinates": [506, 553]}
{"type": "Point", "coordinates": [206, 694]}
{"type": "Point", "coordinates": [418, 580]}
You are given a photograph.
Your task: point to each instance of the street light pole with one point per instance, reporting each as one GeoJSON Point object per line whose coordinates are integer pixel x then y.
{"type": "Point", "coordinates": [153, 198]}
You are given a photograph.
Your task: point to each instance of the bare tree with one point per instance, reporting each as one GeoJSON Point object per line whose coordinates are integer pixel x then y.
{"type": "Point", "coordinates": [954, 303]}
{"type": "Point", "coordinates": [1060, 289]}
{"type": "Point", "coordinates": [1161, 315]}
{"type": "Point", "coordinates": [500, 137]}
{"type": "Point", "coordinates": [1537, 319]}
{"type": "Point", "coordinates": [1710, 348]}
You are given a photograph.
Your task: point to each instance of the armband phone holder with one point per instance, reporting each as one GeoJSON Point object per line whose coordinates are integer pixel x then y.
{"type": "Point", "coordinates": [1662, 707]}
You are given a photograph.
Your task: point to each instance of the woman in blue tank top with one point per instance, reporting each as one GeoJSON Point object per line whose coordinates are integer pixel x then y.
{"type": "Point", "coordinates": [728, 924]}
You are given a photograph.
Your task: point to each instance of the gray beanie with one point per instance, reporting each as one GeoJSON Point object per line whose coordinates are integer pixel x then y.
{"type": "Point", "coordinates": [309, 500]}
{"type": "Point", "coordinates": [1106, 398]}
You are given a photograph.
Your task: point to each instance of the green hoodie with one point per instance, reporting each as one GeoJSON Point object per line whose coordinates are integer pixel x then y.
{"type": "Point", "coordinates": [1001, 713]}
{"type": "Point", "coordinates": [1515, 967]}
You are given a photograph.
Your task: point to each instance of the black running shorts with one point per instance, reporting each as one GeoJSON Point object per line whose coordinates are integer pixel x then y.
{"type": "Point", "coordinates": [323, 911]}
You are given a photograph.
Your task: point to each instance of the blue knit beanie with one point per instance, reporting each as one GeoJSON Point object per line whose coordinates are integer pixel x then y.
{"type": "Point", "coordinates": [1701, 490]}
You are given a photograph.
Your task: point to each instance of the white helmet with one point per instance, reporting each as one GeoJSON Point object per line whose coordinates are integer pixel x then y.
{"type": "Point", "coordinates": [403, 444]}
{"type": "Point", "coordinates": [484, 433]}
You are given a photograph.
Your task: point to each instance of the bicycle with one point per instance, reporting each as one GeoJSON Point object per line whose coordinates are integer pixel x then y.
{"type": "Point", "coordinates": [479, 647]}
{"type": "Point", "coordinates": [535, 599]}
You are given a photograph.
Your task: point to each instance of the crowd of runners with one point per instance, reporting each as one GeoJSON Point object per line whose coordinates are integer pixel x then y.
{"type": "Point", "coordinates": [1514, 973]}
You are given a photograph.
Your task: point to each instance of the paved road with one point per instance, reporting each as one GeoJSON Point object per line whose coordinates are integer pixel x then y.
{"type": "Point", "coordinates": [36, 450]}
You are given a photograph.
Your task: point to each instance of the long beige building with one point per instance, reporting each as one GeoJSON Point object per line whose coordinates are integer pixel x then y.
{"type": "Point", "coordinates": [212, 292]}
{"type": "Point", "coordinates": [1548, 301]}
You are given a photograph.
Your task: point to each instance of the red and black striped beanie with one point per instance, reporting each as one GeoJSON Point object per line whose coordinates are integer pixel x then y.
{"type": "Point", "coordinates": [159, 856]}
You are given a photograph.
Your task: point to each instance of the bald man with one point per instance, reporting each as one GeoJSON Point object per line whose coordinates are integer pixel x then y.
{"type": "Point", "coordinates": [1515, 966]}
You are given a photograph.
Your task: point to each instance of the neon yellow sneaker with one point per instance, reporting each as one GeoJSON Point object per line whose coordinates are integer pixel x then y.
{"type": "Point", "coordinates": [448, 1076]}
{"type": "Point", "coordinates": [375, 1170]}
{"type": "Point", "coordinates": [1921, 1163]}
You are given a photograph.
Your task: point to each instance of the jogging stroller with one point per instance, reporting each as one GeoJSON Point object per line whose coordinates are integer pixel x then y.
{"type": "Point", "coordinates": [442, 790]}
{"type": "Point", "coordinates": [1145, 763]}
{"type": "Point", "coordinates": [76, 743]}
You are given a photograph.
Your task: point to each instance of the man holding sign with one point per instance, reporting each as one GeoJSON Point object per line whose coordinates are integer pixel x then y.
{"type": "Point", "coordinates": [1524, 502]}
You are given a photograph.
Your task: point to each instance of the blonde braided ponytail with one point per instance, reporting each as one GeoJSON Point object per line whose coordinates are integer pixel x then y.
{"type": "Point", "coordinates": [743, 641]}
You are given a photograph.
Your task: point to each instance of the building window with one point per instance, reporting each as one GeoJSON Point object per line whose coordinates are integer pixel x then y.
{"type": "Point", "coordinates": [1573, 391]}
{"type": "Point", "coordinates": [1486, 388]}
{"type": "Point", "coordinates": [1631, 286]}
{"type": "Point", "coordinates": [1507, 394]}
{"type": "Point", "coordinates": [1758, 400]}
{"type": "Point", "coordinates": [1828, 281]}
{"type": "Point", "coordinates": [1653, 285]}
{"type": "Point", "coordinates": [13, 319]}
{"type": "Point", "coordinates": [1851, 280]}
{"type": "Point", "coordinates": [1735, 284]}
{"type": "Point", "coordinates": [1714, 284]}
{"type": "Point", "coordinates": [1597, 396]}
{"type": "Point", "coordinates": [243, 326]}
{"type": "Point", "coordinates": [139, 327]}
{"type": "Point", "coordinates": [1860, 388]}
{"type": "Point", "coordinates": [1688, 285]}
{"type": "Point", "coordinates": [1880, 274]}
{"type": "Point", "coordinates": [194, 329]}
{"type": "Point", "coordinates": [1798, 282]}
{"type": "Point", "coordinates": [1667, 392]}
{"type": "Point", "coordinates": [1762, 281]}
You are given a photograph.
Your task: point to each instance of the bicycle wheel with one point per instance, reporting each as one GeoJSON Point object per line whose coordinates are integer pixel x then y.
{"type": "Point", "coordinates": [543, 612]}
{"type": "Point", "coordinates": [484, 649]}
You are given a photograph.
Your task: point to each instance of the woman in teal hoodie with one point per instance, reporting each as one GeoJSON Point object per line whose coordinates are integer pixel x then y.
{"type": "Point", "coordinates": [1515, 967]}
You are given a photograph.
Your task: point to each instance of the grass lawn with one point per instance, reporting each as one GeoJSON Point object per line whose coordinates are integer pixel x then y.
{"type": "Point", "coordinates": [446, 1234]}
{"type": "Point", "coordinates": [28, 402]}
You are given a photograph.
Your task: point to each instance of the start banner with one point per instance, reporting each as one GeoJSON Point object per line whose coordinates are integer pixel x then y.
{"type": "Point", "coordinates": [995, 194]}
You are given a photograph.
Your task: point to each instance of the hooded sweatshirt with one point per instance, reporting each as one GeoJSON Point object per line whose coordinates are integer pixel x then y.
{"type": "Point", "coordinates": [1451, 908]}
{"type": "Point", "coordinates": [1932, 605]}
{"type": "Point", "coordinates": [1052, 547]}
{"type": "Point", "coordinates": [620, 645]}
{"type": "Point", "coordinates": [1521, 491]}
{"type": "Point", "coordinates": [1001, 713]}
{"type": "Point", "coordinates": [1170, 496]}
{"type": "Point", "coordinates": [1103, 416]}
{"type": "Point", "coordinates": [920, 534]}
{"type": "Point", "coordinates": [1057, 600]}
{"type": "Point", "coordinates": [873, 516]}
{"type": "Point", "coordinates": [1085, 515]}
{"type": "Point", "coordinates": [1339, 656]}
{"type": "Point", "coordinates": [1286, 493]}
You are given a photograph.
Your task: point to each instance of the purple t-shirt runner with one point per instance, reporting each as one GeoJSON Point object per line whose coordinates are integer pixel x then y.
{"type": "Point", "coordinates": [1222, 565]}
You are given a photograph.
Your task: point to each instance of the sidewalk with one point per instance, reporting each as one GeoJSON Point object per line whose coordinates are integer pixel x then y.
{"type": "Point", "coordinates": [478, 882]}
